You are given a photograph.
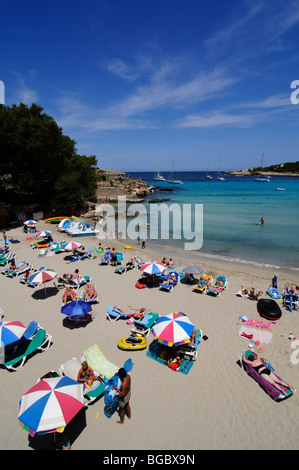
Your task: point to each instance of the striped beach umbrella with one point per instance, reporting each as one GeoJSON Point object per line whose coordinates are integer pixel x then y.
{"type": "Point", "coordinates": [153, 268]}
{"type": "Point", "coordinates": [193, 270]}
{"type": "Point", "coordinates": [71, 246]}
{"type": "Point", "coordinates": [30, 222]}
{"type": "Point", "coordinates": [10, 331]}
{"type": "Point", "coordinates": [42, 276]}
{"type": "Point", "coordinates": [173, 329]}
{"type": "Point", "coordinates": [43, 233]}
{"type": "Point", "coordinates": [50, 404]}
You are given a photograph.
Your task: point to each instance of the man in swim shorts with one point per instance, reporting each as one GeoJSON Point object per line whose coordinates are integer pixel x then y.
{"type": "Point", "coordinates": [124, 395]}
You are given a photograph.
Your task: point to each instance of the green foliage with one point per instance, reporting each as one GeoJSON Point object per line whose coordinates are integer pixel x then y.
{"type": "Point", "coordinates": [288, 167]}
{"type": "Point", "coordinates": [39, 163]}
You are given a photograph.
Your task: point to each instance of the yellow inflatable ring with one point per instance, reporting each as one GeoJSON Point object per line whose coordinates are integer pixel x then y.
{"type": "Point", "coordinates": [127, 247]}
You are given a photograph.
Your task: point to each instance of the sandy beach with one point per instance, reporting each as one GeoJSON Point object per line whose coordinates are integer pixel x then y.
{"type": "Point", "coordinates": [215, 406]}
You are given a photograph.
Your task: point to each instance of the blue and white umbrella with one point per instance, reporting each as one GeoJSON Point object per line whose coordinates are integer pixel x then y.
{"type": "Point", "coordinates": [50, 404]}
{"type": "Point", "coordinates": [76, 308]}
{"type": "Point", "coordinates": [30, 222]}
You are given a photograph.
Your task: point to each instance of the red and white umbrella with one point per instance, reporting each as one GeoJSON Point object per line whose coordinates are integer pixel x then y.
{"type": "Point", "coordinates": [71, 246]}
{"type": "Point", "coordinates": [153, 268]}
{"type": "Point", "coordinates": [50, 404]}
{"type": "Point", "coordinates": [43, 233]}
{"type": "Point", "coordinates": [173, 329]}
{"type": "Point", "coordinates": [42, 276]}
{"type": "Point", "coordinates": [10, 331]}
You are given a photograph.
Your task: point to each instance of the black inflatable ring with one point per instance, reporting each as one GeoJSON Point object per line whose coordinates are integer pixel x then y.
{"type": "Point", "coordinates": [269, 309]}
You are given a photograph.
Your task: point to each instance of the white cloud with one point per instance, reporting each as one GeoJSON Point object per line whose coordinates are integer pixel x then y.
{"type": "Point", "coordinates": [219, 119]}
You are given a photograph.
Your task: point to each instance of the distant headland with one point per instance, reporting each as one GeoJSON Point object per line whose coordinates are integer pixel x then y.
{"type": "Point", "coordinates": [282, 169]}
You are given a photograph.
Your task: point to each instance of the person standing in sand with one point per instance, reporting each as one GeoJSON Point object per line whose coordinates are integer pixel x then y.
{"type": "Point", "coordinates": [124, 395]}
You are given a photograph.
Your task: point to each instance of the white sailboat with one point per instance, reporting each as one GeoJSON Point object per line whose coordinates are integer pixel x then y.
{"type": "Point", "coordinates": [209, 177]}
{"type": "Point", "coordinates": [171, 178]}
{"type": "Point", "coordinates": [159, 177]}
{"type": "Point", "coordinates": [220, 177]}
{"type": "Point", "coordinates": [262, 178]}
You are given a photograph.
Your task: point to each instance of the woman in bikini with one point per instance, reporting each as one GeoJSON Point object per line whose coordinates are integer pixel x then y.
{"type": "Point", "coordinates": [255, 361]}
{"type": "Point", "coordinates": [90, 292]}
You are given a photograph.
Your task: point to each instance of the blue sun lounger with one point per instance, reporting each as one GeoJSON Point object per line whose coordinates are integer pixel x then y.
{"type": "Point", "coordinates": [169, 287]}
{"type": "Point", "coordinates": [113, 314]}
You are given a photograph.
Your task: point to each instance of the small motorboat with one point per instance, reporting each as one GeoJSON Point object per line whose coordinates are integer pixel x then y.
{"type": "Point", "coordinates": [136, 342]}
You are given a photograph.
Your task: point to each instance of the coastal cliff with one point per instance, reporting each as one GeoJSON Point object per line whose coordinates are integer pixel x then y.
{"type": "Point", "coordinates": [111, 184]}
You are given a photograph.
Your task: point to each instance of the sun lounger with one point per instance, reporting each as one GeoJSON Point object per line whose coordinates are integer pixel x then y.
{"type": "Point", "coordinates": [169, 287]}
{"type": "Point", "coordinates": [9, 256]}
{"type": "Point", "coordinates": [272, 391]}
{"type": "Point", "coordinates": [80, 256]}
{"type": "Point", "coordinates": [215, 289]}
{"type": "Point", "coordinates": [20, 269]}
{"type": "Point", "coordinates": [40, 342]}
{"type": "Point", "coordinates": [190, 350]}
{"type": "Point", "coordinates": [57, 247]}
{"type": "Point", "coordinates": [290, 301]}
{"type": "Point", "coordinates": [71, 369]}
{"type": "Point", "coordinates": [113, 314]}
{"type": "Point", "coordinates": [63, 283]}
{"type": "Point", "coordinates": [124, 269]}
{"type": "Point", "coordinates": [242, 293]}
{"type": "Point", "coordinates": [99, 363]}
{"type": "Point", "coordinates": [143, 326]}
{"type": "Point", "coordinates": [202, 287]}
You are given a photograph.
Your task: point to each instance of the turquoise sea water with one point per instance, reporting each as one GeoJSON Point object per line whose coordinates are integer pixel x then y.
{"type": "Point", "coordinates": [230, 211]}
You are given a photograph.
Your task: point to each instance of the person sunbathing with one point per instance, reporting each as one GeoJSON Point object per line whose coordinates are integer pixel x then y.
{"type": "Point", "coordinates": [132, 312]}
{"type": "Point", "coordinates": [12, 264]}
{"type": "Point", "coordinates": [201, 282]}
{"type": "Point", "coordinates": [171, 280]}
{"type": "Point", "coordinates": [218, 285]}
{"type": "Point", "coordinates": [253, 293]}
{"type": "Point", "coordinates": [256, 363]}
{"type": "Point", "coordinates": [171, 263]}
{"type": "Point", "coordinates": [86, 375]}
{"type": "Point", "coordinates": [69, 295]}
{"type": "Point", "coordinates": [90, 292]}
{"type": "Point", "coordinates": [292, 290]}
{"type": "Point", "coordinates": [193, 338]}
{"type": "Point", "coordinates": [21, 267]}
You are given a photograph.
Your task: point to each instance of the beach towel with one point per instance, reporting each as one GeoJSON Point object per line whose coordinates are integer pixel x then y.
{"type": "Point", "coordinates": [99, 363]}
{"type": "Point", "coordinates": [257, 323]}
{"type": "Point", "coordinates": [264, 337]}
{"type": "Point", "coordinates": [158, 353]}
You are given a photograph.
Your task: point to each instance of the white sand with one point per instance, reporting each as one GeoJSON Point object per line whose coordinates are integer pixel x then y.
{"type": "Point", "coordinates": [215, 406]}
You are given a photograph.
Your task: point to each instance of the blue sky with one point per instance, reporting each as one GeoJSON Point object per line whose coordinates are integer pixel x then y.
{"type": "Point", "coordinates": [142, 83]}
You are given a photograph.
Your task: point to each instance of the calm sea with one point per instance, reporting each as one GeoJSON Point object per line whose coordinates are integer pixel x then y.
{"type": "Point", "coordinates": [231, 209]}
